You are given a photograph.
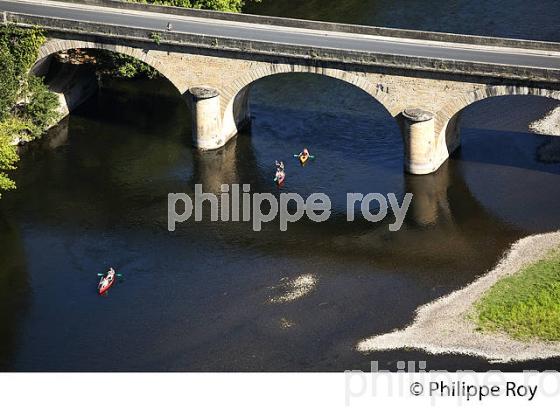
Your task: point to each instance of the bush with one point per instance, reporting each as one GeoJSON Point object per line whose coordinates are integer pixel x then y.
{"type": "Point", "coordinates": [8, 154]}
{"type": "Point", "coordinates": [42, 109]}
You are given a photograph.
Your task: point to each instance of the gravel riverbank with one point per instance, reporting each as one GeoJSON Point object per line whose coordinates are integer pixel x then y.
{"type": "Point", "coordinates": [549, 124]}
{"type": "Point", "coordinates": [443, 326]}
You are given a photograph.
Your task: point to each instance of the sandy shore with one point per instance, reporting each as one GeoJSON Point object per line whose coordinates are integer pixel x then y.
{"type": "Point", "coordinates": [549, 124]}
{"type": "Point", "coordinates": [443, 325]}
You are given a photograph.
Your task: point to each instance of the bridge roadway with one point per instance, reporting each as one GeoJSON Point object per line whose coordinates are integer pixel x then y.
{"type": "Point", "coordinates": [287, 35]}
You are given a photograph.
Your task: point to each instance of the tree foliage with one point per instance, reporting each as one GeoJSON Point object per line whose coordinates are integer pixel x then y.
{"type": "Point", "coordinates": [8, 155]}
{"type": "Point", "coordinates": [117, 65]}
{"type": "Point", "coordinates": [41, 110]}
{"type": "Point", "coordinates": [27, 107]}
{"type": "Point", "coordinates": [23, 46]}
{"type": "Point", "coordinates": [222, 5]}
{"type": "Point", "coordinates": [9, 84]}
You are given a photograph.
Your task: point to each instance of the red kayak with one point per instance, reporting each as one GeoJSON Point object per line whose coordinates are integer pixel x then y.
{"type": "Point", "coordinates": [280, 177]}
{"type": "Point", "coordinates": [106, 281]}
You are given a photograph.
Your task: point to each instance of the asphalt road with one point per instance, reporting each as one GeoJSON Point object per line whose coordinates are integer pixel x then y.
{"type": "Point", "coordinates": [287, 35]}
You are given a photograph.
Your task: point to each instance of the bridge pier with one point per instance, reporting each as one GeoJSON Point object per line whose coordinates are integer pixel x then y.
{"type": "Point", "coordinates": [206, 118]}
{"type": "Point", "coordinates": [423, 154]}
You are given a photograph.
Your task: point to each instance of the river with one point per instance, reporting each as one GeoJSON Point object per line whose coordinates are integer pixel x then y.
{"type": "Point", "coordinates": [93, 194]}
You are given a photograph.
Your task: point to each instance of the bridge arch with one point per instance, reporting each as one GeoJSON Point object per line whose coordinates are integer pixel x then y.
{"type": "Point", "coordinates": [54, 46]}
{"type": "Point", "coordinates": [447, 119]}
{"type": "Point", "coordinates": [235, 97]}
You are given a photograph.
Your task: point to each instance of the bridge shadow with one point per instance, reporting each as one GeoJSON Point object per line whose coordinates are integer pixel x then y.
{"type": "Point", "coordinates": [80, 76]}
{"type": "Point", "coordinates": [496, 131]}
{"type": "Point", "coordinates": [308, 93]}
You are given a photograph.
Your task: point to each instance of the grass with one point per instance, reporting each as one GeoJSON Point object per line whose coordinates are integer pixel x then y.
{"type": "Point", "coordinates": [525, 305]}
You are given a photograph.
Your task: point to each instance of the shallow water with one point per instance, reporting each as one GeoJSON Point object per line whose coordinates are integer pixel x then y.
{"type": "Point", "coordinates": [94, 194]}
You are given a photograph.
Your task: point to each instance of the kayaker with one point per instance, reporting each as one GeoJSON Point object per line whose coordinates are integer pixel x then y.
{"type": "Point", "coordinates": [169, 26]}
{"type": "Point", "coordinates": [280, 166]}
{"type": "Point", "coordinates": [280, 176]}
{"type": "Point", "coordinates": [104, 282]}
{"type": "Point", "coordinates": [304, 154]}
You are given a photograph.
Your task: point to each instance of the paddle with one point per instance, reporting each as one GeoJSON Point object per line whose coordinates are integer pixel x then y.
{"type": "Point", "coordinates": [119, 275]}
{"type": "Point", "coordinates": [297, 156]}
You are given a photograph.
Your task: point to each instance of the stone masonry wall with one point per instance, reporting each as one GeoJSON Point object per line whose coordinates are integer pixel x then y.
{"type": "Point", "coordinates": [231, 74]}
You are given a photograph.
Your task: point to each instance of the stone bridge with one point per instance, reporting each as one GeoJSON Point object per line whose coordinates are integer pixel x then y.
{"type": "Point", "coordinates": [425, 92]}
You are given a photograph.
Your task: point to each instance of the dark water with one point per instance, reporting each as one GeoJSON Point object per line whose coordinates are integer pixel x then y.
{"type": "Point", "coordinates": [536, 20]}
{"type": "Point", "coordinates": [94, 194]}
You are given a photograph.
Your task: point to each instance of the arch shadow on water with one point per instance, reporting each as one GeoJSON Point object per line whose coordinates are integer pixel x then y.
{"type": "Point", "coordinates": [507, 139]}
{"type": "Point", "coordinates": [318, 109]}
{"type": "Point", "coordinates": [77, 74]}
{"type": "Point", "coordinates": [512, 171]}
{"type": "Point", "coordinates": [316, 86]}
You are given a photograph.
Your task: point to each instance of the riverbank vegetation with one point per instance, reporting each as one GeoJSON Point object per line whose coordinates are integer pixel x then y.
{"type": "Point", "coordinates": [525, 305]}
{"type": "Point", "coordinates": [27, 107]}
{"type": "Point", "coordinates": [234, 6]}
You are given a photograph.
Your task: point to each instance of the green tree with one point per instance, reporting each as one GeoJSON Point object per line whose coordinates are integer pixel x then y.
{"type": "Point", "coordinates": [27, 107]}
{"type": "Point", "coordinates": [122, 66]}
{"type": "Point", "coordinates": [23, 46]}
{"type": "Point", "coordinates": [9, 84]}
{"type": "Point", "coordinates": [8, 158]}
{"type": "Point", "coordinates": [42, 109]}
{"type": "Point", "coordinates": [222, 5]}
